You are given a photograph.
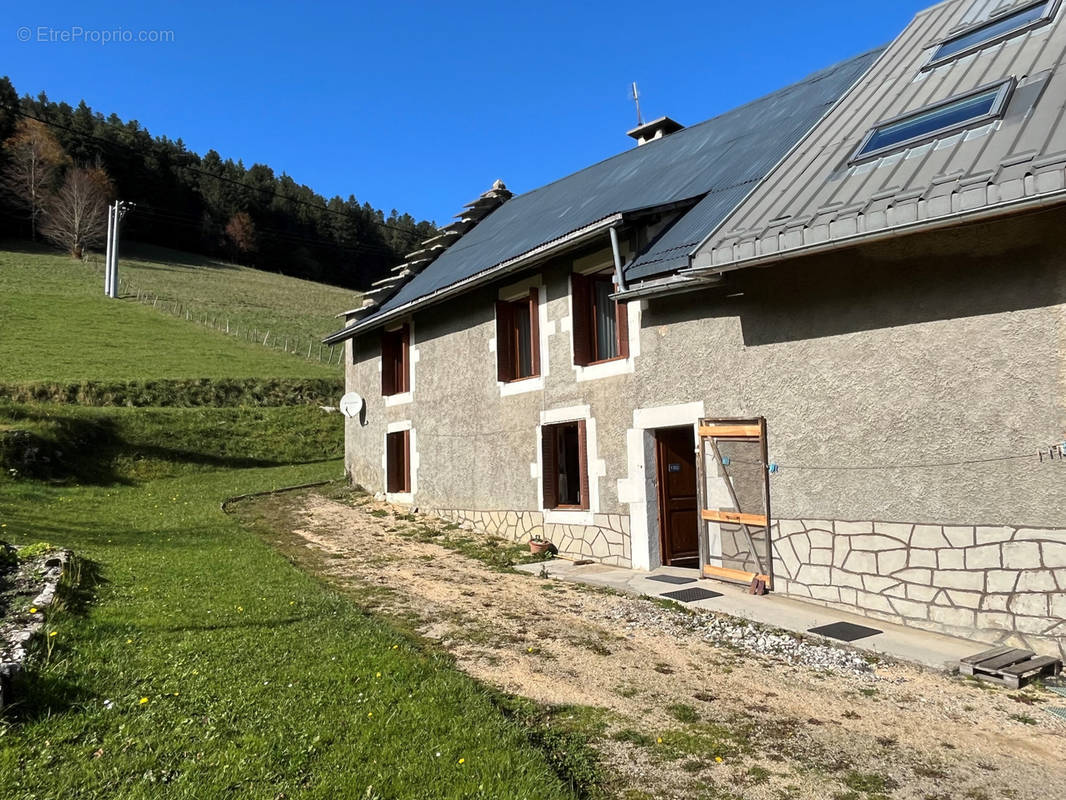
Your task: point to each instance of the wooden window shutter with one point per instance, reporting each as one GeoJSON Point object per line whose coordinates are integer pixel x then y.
{"type": "Point", "coordinates": [583, 462]}
{"type": "Point", "coordinates": [534, 329]}
{"type": "Point", "coordinates": [621, 313]}
{"type": "Point", "coordinates": [388, 364]}
{"type": "Point", "coordinates": [407, 461]}
{"type": "Point", "coordinates": [581, 322]}
{"type": "Point", "coordinates": [549, 466]}
{"type": "Point", "coordinates": [404, 360]}
{"type": "Point", "coordinates": [505, 344]}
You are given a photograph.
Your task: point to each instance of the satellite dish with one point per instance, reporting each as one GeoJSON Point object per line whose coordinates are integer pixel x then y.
{"type": "Point", "coordinates": [351, 404]}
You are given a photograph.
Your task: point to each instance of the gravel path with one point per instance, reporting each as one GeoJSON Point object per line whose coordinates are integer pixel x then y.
{"type": "Point", "coordinates": [692, 704]}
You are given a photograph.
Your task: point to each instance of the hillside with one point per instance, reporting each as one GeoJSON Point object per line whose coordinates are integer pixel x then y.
{"type": "Point", "coordinates": [52, 308]}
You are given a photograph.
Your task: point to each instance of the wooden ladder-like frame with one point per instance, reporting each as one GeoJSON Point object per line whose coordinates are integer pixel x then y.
{"type": "Point", "coordinates": [712, 430]}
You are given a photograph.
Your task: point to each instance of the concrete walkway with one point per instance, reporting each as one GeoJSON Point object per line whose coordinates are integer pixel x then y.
{"type": "Point", "coordinates": [896, 641]}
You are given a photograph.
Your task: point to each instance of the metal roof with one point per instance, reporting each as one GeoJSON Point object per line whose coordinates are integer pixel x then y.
{"type": "Point", "coordinates": [719, 160]}
{"type": "Point", "coordinates": [816, 198]}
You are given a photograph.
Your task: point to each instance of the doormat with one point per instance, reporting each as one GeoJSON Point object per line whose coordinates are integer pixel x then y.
{"type": "Point", "coordinates": [677, 580]}
{"type": "Point", "coordinates": [691, 595]}
{"type": "Point", "coordinates": [845, 631]}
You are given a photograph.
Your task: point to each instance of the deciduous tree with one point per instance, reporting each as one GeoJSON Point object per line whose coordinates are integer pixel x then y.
{"type": "Point", "coordinates": [240, 231]}
{"type": "Point", "coordinates": [75, 217]}
{"type": "Point", "coordinates": [33, 160]}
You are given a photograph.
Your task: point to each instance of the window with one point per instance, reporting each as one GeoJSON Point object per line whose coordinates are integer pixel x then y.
{"type": "Point", "coordinates": [994, 31]}
{"type": "Point", "coordinates": [565, 466]}
{"type": "Point", "coordinates": [950, 116]}
{"type": "Point", "coordinates": [395, 358]}
{"type": "Point", "coordinates": [398, 462]}
{"type": "Point", "coordinates": [601, 326]}
{"type": "Point", "coordinates": [518, 338]}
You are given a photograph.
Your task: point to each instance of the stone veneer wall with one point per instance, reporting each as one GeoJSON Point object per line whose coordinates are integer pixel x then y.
{"type": "Point", "coordinates": [993, 584]}
{"type": "Point", "coordinates": [606, 540]}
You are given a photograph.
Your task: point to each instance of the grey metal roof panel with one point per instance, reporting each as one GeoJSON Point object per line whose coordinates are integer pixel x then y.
{"type": "Point", "coordinates": [716, 156]}
{"type": "Point", "coordinates": [816, 196]}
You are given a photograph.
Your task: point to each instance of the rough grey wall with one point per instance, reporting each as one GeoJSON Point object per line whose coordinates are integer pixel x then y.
{"type": "Point", "coordinates": [895, 380]}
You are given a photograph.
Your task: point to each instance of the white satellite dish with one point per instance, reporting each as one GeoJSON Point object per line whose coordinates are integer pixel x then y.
{"type": "Point", "coordinates": [351, 404]}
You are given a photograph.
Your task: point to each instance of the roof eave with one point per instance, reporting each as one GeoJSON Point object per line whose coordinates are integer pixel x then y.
{"type": "Point", "coordinates": [989, 212]}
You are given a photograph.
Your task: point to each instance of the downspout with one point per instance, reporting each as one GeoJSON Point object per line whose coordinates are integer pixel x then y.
{"type": "Point", "coordinates": [619, 278]}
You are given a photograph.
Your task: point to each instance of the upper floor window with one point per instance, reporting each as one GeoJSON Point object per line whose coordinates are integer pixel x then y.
{"type": "Point", "coordinates": [932, 122]}
{"type": "Point", "coordinates": [600, 325]}
{"type": "Point", "coordinates": [518, 338]}
{"type": "Point", "coordinates": [994, 31]}
{"type": "Point", "coordinates": [396, 361]}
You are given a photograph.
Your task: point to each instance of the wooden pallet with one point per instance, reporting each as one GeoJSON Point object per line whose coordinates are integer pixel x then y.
{"type": "Point", "coordinates": [1009, 666]}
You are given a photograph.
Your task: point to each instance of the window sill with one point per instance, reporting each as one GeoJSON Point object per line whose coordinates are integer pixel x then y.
{"type": "Point", "coordinates": [399, 399]}
{"type": "Point", "coordinates": [521, 386]}
{"type": "Point", "coordinates": [565, 516]}
{"type": "Point", "coordinates": [603, 369]}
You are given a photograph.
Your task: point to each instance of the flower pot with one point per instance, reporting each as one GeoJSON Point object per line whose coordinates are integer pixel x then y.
{"type": "Point", "coordinates": [536, 546]}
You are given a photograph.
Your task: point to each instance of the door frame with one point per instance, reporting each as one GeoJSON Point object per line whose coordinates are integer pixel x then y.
{"type": "Point", "coordinates": [666, 555]}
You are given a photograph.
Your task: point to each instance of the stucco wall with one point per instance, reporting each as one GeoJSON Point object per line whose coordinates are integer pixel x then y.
{"type": "Point", "coordinates": [896, 380]}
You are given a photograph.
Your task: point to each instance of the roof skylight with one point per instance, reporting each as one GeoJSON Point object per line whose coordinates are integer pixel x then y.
{"type": "Point", "coordinates": [993, 31]}
{"type": "Point", "coordinates": [932, 122]}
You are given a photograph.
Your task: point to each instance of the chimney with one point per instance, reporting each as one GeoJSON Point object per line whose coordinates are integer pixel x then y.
{"type": "Point", "coordinates": [656, 129]}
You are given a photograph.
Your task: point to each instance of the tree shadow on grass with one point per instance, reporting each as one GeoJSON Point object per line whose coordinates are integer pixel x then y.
{"type": "Point", "coordinates": [35, 694]}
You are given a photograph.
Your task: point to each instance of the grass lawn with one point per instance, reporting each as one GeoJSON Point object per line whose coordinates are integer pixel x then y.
{"type": "Point", "coordinates": [246, 297]}
{"type": "Point", "coordinates": [56, 325]}
{"type": "Point", "coordinates": [208, 665]}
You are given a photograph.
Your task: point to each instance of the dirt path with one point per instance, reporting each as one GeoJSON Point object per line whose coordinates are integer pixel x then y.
{"type": "Point", "coordinates": [683, 717]}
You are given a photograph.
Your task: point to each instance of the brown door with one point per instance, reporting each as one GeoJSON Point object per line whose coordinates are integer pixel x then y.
{"type": "Point", "coordinates": [678, 505]}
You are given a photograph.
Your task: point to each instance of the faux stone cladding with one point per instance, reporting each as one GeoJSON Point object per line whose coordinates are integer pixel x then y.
{"type": "Point", "coordinates": [999, 584]}
{"type": "Point", "coordinates": [606, 540]}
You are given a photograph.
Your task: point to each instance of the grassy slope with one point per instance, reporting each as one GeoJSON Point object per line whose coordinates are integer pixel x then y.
{"type": "Point", "coordinates": [232, 673]}
{"type": "Point", "coordinates": [55, 324]}
{"type": "Point", "coordinates": [246, 297]}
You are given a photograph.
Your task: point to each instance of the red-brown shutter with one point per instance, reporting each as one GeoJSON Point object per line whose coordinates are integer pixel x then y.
{"type": "Point", "coordinates": [581, 319]}
{"type": "Point", "coordinates": [549, 466]}
{"type": "Point", "coordinates": [403, 380]}
{"type": "Point", "coordinates": [388, 364]}
{"type": "Point", "coordinates": [407, 461]}
{"type": "Point", "coordinates": [583, 461]}
{"type": "Point", "coordinates": [505, 344]}
{"type": "Point", "coordinates": [534, 330]}
{"type": "Point", "coordinates": [621, 314]}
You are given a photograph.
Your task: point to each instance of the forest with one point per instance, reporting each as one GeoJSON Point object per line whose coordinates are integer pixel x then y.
{"type": "Point", "coordinates": [60, 166]}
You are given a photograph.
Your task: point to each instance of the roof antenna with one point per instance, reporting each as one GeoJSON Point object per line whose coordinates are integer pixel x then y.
{"type": "Point", "coordinates": [636, 99]}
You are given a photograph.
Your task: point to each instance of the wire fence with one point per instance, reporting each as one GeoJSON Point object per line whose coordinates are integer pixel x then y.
{"type": "Point", "coordinates": [296, 344]}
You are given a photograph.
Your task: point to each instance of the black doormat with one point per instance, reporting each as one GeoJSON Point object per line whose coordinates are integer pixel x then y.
{"type": "Point", "coordinates": [845, 631]}
{"type": "Point", "coordinates": [677, 580]}
{"type": "Point", "coordinates": [691, 595]}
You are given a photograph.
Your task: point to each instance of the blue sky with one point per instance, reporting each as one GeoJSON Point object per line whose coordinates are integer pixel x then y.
{"type": "Point", "coordinates": [421, 105]}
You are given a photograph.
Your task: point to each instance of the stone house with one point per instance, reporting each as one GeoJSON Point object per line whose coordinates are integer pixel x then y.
{"type": "Point", "coordinates": [819, 340]}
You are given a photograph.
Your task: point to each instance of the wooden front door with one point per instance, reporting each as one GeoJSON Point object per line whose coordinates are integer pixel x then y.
{"type": "Point", "coordinates": [678, 504]}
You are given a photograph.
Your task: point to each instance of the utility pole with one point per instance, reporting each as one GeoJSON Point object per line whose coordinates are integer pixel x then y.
{"type": "Point", "coordinates": [107, 256]}
{"type": "Point", "coordinates": [115, 213]}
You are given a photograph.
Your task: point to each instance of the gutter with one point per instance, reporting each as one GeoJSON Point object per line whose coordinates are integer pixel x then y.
{"type": "Point", "coordinates": [675, 284]}
{"type": "Point", "coordinates": [920, 226]}
{"type": "Point", "coordinates": [504, 268]}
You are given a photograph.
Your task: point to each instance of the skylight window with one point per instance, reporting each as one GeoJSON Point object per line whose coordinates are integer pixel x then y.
{"type": "Point", "coordinates": [953, 115]}
{"type": "Point", "coordinates": [994, 31]}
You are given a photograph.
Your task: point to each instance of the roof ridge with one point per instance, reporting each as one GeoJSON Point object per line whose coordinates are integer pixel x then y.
{"type": "Point", "coordinates": [432, 248]}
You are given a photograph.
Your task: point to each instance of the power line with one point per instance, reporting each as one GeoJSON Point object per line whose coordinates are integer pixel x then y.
{"type": "Point", "coordinates": [196, 170]}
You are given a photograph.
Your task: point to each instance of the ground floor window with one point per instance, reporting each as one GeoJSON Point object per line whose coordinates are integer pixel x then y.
{"type": "Point", "coordinates": [565, 465]}
{"type": "Point", "coordinates": [398, 462]}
